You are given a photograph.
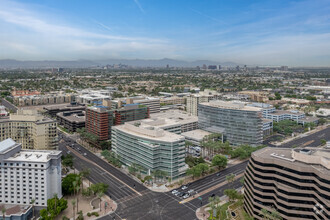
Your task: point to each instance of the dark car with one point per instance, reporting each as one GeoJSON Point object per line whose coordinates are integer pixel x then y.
{"type": "Point", "coordinates": [181, 194]}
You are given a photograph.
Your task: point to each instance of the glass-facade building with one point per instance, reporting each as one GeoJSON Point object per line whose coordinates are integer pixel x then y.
{"type": "Point", "coordinates": [152, 148]}
{"type": "Point", "coordinates": [240, 124]}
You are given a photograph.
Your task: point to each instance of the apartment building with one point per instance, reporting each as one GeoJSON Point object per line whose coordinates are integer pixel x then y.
{"type": "Point", "coordinates": [172, 100]}
{"type": "Point", "coordinates": [28, 174]}
{"type": "Point", "coordinates": [31, 129]}
{"type": "Point", "coordinates": [240, 124]}
{"type": "Point", "coordinates": [194, 99]}
{"type": "Point", "coordinates": [99, 120]}
{"type": "Point", "coordinates": [151, 147]}
{"type": "Point", "coordinates": [294, 182]}
{"type": "Point", "coordinates": [52, 98]}
{"type": "Point", "coordinates": [152, 103]}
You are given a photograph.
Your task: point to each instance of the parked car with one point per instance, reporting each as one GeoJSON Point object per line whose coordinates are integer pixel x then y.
{"type": "Point", "coordinates": [218, 174]}
{"type": "Point", "coordinates": [180, 194]}
{"type": "Point", "coordinates": [184, 187]}
{"type": "Point", "coordinates": [185, 196]}
{"type": "Point", "coordinates": [174, 191]}
{"type": "Point", "coordinates": [191, 191]}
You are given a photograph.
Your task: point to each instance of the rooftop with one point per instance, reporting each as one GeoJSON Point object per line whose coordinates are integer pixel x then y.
{"type": "Point", "coordinates": [6, 144]}
{"type": "Point", "coordinates": [318, 158]}
{"type": "Point", "coordinates": [12, 209]}
{"type": "Point", "coordinates": [231, 105]}
{"type": "Point", "coordinates": [197, 135]}
{"type": "Point", "coordinates": [175, 115]}
{"type": "Point", "coordinates": [151, 133]}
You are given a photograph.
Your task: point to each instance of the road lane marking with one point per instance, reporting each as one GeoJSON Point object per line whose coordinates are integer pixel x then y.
{"type": "Point", "coordinates": [207, 190]}
{"type": "Point", "coordinates": [82, 157]}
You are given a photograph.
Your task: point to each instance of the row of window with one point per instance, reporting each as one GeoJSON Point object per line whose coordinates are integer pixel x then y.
{"type": "Point", "coordinates": [23, 164]}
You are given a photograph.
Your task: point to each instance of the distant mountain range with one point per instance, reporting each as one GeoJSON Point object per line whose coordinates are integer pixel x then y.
{"type": "Point", "coordinates": [8, 63]}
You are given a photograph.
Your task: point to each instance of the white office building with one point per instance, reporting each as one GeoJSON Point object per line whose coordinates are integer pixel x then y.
{"type": "Point", "coordinates": [28, 174]}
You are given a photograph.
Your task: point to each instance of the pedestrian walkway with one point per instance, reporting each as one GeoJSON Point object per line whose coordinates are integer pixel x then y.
{"type": "Point", "coordinates": [203, 213]}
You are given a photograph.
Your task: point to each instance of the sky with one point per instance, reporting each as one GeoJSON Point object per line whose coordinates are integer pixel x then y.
{"type": "Point", "coordinates": [252, 32]}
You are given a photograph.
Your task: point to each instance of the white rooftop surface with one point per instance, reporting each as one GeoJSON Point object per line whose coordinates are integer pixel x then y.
{"type": "Point", "coordinates": [6, 144]}
{"type": "Point", "coordinates": [196, 134]}
{"type": "Point", "coordinates": [150, 132]}
{"type": "Point", "coordinates": [231, 105]}
{"type": "Point", "coordinates": [32, 156]}
{"type": "Point", "coordinates": [178, 116]}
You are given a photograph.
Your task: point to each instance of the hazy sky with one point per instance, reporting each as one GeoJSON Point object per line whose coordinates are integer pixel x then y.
{"type": "Point", "coordinates": [274, 32]}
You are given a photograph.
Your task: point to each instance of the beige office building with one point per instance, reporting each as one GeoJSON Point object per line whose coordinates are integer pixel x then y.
{"type": "Point", "coordinates": [294, 182]}
{"type": "Point", "coordinates": [32, 130]}
{"type": "Point", "coordinates": [194, 99]}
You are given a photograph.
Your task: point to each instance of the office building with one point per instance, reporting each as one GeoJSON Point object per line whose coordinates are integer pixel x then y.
{"type": "Point", "coordinates": [130, 112]}
{"type": "Point", "coordinates": [239, 123]}
{"type": "Point", "coordinates": [28, 174]}
{"type": "Point", "coordinates": [71, 120]}
{"type": "Point", "coordinates": [294, 182]}
{"type": "Point", "coordinates": [187, 122]}
{"type": "Point", "coordinates": [174, 100]}
{"type": "Point", "coordinates": [151, 147]}
{"type": "Point", "coordinates": [54, 109]}
{"type": "Point", "coordinates": [31, 129]}
{"type": "Point", "coordinates": [99, 120]}
{"type": "Point", "coordinates": [152, 103]}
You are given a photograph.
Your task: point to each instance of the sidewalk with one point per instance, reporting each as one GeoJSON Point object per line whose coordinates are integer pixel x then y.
{"type": "Point", "coordinates": [203, 213]}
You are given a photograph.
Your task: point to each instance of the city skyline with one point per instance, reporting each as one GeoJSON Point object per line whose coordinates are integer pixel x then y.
{"type": "Point", "coordinates": [294, 33]}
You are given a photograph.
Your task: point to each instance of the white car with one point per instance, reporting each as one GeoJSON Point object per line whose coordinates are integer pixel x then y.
{"type": "Point", "coordinates": [184, 187]}
{"type": "Point", "coordinates": [186, 196]}
{"type": "Point", "coordinates": [175, 191]}
{"type": "Point", "coordinates": [191, 191]}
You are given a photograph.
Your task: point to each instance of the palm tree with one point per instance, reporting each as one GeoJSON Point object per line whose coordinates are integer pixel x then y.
{"type": "Point", "coordinates": [55, 198]}
{"type": "Point", "coordinates": [32, 203]}
{"type": "Point", "coordinates": [77, 197]}
{"type": "Point", "coordinates": [99, 195]}
{"type": "Point", "coordinates": [84, 174]}
{"type": "Point", "coordinates": [265, 214]}
{"type": "Point", "coordinates": [230, 178]}
{"type": "Point", "coordinates": [3, 210]}
{"type": "Point", "coordinates": [212, 204]}
{"type": "Point", "coordinates": [73, 202]}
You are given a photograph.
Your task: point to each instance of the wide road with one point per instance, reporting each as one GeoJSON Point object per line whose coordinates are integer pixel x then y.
{"type": "Point", "coordinates": [9, 105]}
{"type": "Point", "coordinates": [312, 140]}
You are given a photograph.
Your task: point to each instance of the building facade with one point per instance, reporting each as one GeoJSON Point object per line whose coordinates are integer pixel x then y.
{"type": "Point", "coordinates": [31, 129]}
{"type": "Point", "coordinates": [241, 124]}
{"type": "Point", "coordinates": [71, 120]}
{"type": "Point", "coordinates": [294, 182]}
{"type": "Point", "coordinates": [130, 112]}
{"type": "Point", "coordinates": [152, 148]}
{"type": "Point", "coordinates": [28, 174]}
{"type": "Point", "coordinates": [99, 121]}
{"type": "Point", "coordinates": [52, 98]}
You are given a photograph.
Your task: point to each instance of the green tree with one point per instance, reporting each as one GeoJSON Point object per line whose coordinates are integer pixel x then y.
{"type": "Point", "coordinates": [83, 175]}
{"type": "Point", "coordinates": [32, 203]}
{"type": "Point", "coordinates": [3, 210]}
{"type": "Point", "coordinates": [67, 184]}
{"type": "Point", "coordinates": [232, 194]}
{"type": "Point", "coordinates": [323, 142]}
{"type": "Point", "coordinates": [73, 202]}
{"type": "Point", "coordinates": [230, 178]}
{"type": "Point", "coordinates": [67, 161]}
{"type": "Point", "coordinates": [220, 161]}
{"type": "Point", "coordinates": [203, 167]}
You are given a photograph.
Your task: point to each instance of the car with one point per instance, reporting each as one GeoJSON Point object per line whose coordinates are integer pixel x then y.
{"type": "Point", "coordinates": [190, 191]}
{"type": "Point", "coordinates": [185, 196]}
{"type": "Point", "coordinates": [174, 191]}
{"type": "Point", "coordinates": [180, 194]}
{"type": "Point", "coordinates": [218, 174]}
{"type": "Point", "coordinates": [177, 193]}
{"type": "Point", "coordinates": [85, 154]}
{"type": "Point", "coordinates": [184, 187]}
{"type": "Point", "coordinates": [212, 195]}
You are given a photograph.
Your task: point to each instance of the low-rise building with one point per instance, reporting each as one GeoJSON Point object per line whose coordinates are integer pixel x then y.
{"type": "Point", "coordinates": [172, 100]}
{"type": "Point", "coordinates": [196, 136]}
{"type": "Point", "coordinates": [186, 121]}
{"type": "Point", "coordinates": [28, 174]}
{"type": "Point", "coordinates": [31, 129]}
{"type": "Point", "coordinates": [71, 120]}
{"type": "Point", "coordinates": [51, 98]}
{"type": "Point", "coordinates": [294, 182]}
{"type": "Point", "coordinates": [16, 212]}
{"type": "Point", "coordinates": [54, 109]}
{"type": "Point", "coordinates": [150, 147]}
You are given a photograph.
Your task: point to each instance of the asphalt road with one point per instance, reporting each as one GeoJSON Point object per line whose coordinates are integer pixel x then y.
{"type": "Point", "coordinates": [8, 105]}
{"type": "Point", "coordinates": [312, 140]}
